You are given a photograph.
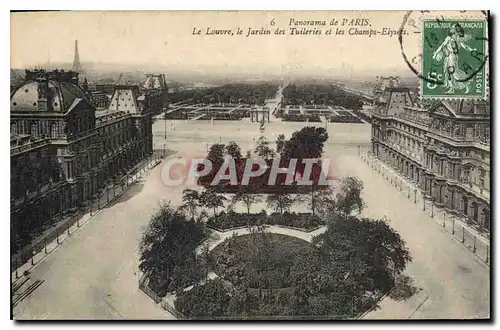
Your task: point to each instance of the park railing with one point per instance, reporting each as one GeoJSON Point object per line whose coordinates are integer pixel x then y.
{"type": "Point", "coordinates": [454, 224]}
{"type": "Point", "coordinates": [30, 255]}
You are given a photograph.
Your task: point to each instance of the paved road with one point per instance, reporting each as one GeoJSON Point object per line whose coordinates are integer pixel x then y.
{"type": "Point", "coordinates": [94, 274]}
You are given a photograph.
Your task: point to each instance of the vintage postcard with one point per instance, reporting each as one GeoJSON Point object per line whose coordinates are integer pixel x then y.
{"type": "Point", "coordinates": [259, 165]}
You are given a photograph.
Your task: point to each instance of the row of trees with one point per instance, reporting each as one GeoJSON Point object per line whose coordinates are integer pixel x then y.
{"type": "Point", "coordinates": [225, 221]}
{"type": "Point", "coordinates": [230, 93]}
{"type": "Point", "coordinates": [345, 200]}
{"type": "Point", "coordinates": [306, 143]}
{"type": "Point", "coordinates": [310, 94]}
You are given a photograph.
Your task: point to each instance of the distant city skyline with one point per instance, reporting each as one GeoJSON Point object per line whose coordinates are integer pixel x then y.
{"type": "Point", "coordinates": [164, 41]}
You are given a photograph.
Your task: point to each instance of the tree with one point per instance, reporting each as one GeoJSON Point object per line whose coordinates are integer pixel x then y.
{"type": "Point", "coordinates": [167, 250]}
{"type": "Point", "coordinates": [367, 251]}
{"type": "Point", "coordinates": [306, 143]}
{"type": "Point", "coordinates": [190, 201]}
{"type": "Point", "coordinates": [216, 153]}
{"type": "Point", "coordinates": [207, 300]}
{"type": "Point", "coordinates": [245, 196]}
{"type": "Point", "coordinates": [263, 149]}
{"type": "Point", "coordinates": [280, 202]}
{"type": "Point", "coordinates": [315, 194]}
{"type": "Point", "coordinates": [348, 199]}
{"type": "Point", "coordinates": [233, 150]}
{"type": "Point", "coordinates": [324, 202]}
{"type": "Point", "coordinates": [209, 198]}
{"type": "Point", "coordinates": [280, 144]}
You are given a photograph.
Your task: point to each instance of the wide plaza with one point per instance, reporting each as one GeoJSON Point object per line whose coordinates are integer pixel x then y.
{"type": "Point", "coordinates": [94, 274]}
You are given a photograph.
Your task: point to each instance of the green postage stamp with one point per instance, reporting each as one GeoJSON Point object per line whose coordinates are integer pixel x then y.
{"type": "Point", "coordinates": [454, 59]}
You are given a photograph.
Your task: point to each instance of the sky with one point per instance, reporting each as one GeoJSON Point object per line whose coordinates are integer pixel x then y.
{"type": "Point", "coordinates": [165, 40]}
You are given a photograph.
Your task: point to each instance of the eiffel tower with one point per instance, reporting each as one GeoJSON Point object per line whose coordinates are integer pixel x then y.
{"type": "Point", "coordinates": [77, 67]}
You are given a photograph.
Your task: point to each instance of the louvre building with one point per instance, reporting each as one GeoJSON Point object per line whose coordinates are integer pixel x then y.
{"type": "Point", "coordinates": [442, 146]}
{"type": "Point", "coordinates": [64, 152]}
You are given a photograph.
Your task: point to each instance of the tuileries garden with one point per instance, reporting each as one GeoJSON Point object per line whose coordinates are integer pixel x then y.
{"type": "Point", "coordinates": [306, 254]}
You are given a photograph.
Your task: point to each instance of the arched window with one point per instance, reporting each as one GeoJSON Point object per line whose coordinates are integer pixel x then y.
{"type": "Point", "coordinates": [54, 131]}
{"type": "Point", "coordinates": [13, 128]}
{"type": "Point", "coordinates": [34, 130]}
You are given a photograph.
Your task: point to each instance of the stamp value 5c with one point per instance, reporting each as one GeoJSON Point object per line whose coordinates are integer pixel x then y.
{"type": "Point", "coordinates": [454, 58]}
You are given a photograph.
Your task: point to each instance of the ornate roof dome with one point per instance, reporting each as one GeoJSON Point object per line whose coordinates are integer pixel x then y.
{"type": "Point", "coordinates": [61, 89]}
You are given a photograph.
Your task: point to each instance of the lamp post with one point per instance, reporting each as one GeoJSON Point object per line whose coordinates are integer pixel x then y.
{"type": "Point", "coordinates": [432, 208]}
{"type": "Point", "coordinates": [165, 121]}
{"type": "Point", "coordinates": [444, 211]}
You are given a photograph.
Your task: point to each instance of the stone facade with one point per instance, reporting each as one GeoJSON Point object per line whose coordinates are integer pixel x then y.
{"type": "Point", "coordinates": [443, 147]}
{"type": "Point", "coordinates": [72, 151]}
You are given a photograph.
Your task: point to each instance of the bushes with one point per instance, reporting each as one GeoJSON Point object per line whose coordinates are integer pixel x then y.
{"type": "Point", "coordinates": [167, 251]}
{"type": "Point", "coordinates": [224, 116]}
{"type": "Point", "coordinates": [345, 119]}
{"type": "Point", "coordinates": [225, 221]}
{"type": "Point", "coordinates": [302, 118]}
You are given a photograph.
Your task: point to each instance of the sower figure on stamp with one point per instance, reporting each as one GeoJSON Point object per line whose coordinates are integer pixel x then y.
{"type": "Point", "coordinates": [454, 77]}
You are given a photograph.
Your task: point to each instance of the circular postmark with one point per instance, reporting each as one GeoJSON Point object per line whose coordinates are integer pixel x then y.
{"type": "Point", "coordinates": [448, 54]}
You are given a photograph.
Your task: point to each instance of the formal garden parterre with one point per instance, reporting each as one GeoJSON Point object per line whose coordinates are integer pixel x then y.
{"type": "Point", "coordinates": [338, 274]}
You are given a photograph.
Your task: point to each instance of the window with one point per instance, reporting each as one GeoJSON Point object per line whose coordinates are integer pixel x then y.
{"type": "Point", "coordinates": [34, 130]}
{"type": "Point", "coordinates": [13, 128]}
{"type": "Point", "coordinates": [53, 131]}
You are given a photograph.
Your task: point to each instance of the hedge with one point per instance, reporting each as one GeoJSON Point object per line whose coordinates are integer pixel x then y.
{"type": "Point", "coordinates": [224, 221]}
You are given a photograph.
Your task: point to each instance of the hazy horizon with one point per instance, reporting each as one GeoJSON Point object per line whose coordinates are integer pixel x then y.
{"type": "Point", "coordinates": [166, 42]}
{"type": "Point", "coordinates": [163, 41]}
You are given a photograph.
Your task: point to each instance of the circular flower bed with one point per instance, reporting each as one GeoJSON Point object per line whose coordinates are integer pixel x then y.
{"type": "Point", "coordinates": [259, 260]}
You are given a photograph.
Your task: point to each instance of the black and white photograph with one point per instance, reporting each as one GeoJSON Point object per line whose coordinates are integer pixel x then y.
{"type": "Point", "coordinates": [250, 165]}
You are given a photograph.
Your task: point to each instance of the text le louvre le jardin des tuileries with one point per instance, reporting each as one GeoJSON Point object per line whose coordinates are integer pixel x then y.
{"type": "Point", "coordinates": [297, 27]}
{"type": "Point", "coordinates": [265, 165]}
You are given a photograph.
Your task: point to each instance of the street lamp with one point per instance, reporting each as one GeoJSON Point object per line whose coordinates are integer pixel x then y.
{"type": "Point", "coordinates": [444, 211]}
{"type": "Point", "coordinates": [453, 225]}
{"type": "Point", "coordinates": [165, 120]}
